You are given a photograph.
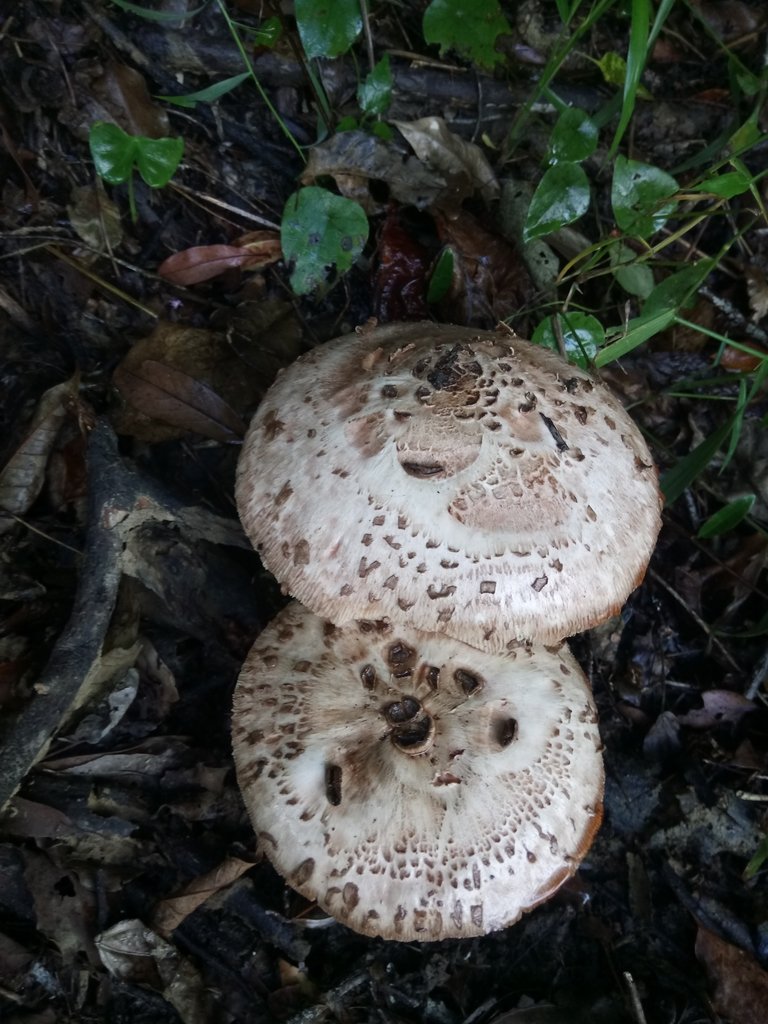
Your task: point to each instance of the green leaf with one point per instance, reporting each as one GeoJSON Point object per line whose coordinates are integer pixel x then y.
{"type": "Point", "coordinates": [637, 331]}
{"type": "Point", "coordinates": [115, 154]}
{"type": "Point", "coordinates": [375, 94]}
{"type": "Point", "coordinates": [573, 138]}
{"type": "Point", "coordinates": [561, 197]}
{"type": "Point", "coordinates": [728, 185]}
{"type": "Point", "coordinates": [209, 94]}
{"type": "Point", "coordinates": [440, 280]}
{"type": "Point", "coordinates": [158, 159]}
{"type": "Point", "coordinates": [685, 471]}
{"type": "Point", "coordinates": [638, 192]}
{"type": "Point", "coordinates": [745, 136]}
{"type": "Point", "coordinates": [727, 517]}
{"type": "Point", "coordinates": [320, 230]}
{"type": "Point", "coordinates": [677, 291]}
{"type": "Point", "coordinates": [757, 859]}
{"type": "Point", "coordinates": [328, 27]}
{"type": "Point", "coordinates": [582, 335]}
{"type": "Point", "coordinates": [637, 53]}
{"type": "Point", "coordinates": [634, 277]}
{"type": "Point", "coordinates": [471, 29]}
{"type": "Point", "coordinates": [613, 68]}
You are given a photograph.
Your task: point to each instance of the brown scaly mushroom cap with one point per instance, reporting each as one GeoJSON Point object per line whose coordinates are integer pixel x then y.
{"type": "Point", "coordinates": [416, 787]}
{"type": "Point", "coordinates": [463, 481]}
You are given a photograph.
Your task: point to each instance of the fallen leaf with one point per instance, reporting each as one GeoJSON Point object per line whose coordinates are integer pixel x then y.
{"type": "Point", "coordinates": [355, 159]}
{"type": "Point", "coordinates": [462, 164]}
{"type": "Point", "coordinates": [719, 706]}
{"type": "Point", "coordinates": [94, 217]}
{"type": "Point", "coordinates": [134, 953]}
{"type": "Point", "coordinates": [400, 287]}
{"type": "Point", "coordinates": [173, 396]}
{"type": "Point", "coordinates": [741, 985]}
{"type": "Point", "coordinates": [490, 281]}
{"type": "Point", "coordinates": [23, 476]}
{"type": "Point", "coordinates": [205, 262]}
{"type": "Point", "coordinates": [172, 911]}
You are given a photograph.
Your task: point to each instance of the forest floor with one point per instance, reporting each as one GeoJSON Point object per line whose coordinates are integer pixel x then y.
{"type": "Point", "coordinates": [132, 887]}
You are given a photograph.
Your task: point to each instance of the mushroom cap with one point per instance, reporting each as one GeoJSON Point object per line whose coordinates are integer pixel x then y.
{"type": "Point", "coordinates": [416, 787]}
{"type": "Point", "coordinates": [463, 481]}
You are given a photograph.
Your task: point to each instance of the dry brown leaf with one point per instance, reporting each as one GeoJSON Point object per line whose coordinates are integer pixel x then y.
{"type": "Point", "coordinates": [741, 985]}
{"type": "Point", "coordinates": [490, 281]}
{"type": "Point", "coordinates": [94, 217]}
{"type": "Point", "coordinates": [204, 262]}
{"type": "Point", "coordinates": [462, 164]}
{"type": "Point", "coordinates": [354, 159]}
{"type": "Point", "coordinates": [205, 356]}
{"type": "Point", "coordinates": [177, 398]}
{"type": "Point", "coordinates": [23, 476]}
{"type": "Point", "coordinates": [134, 953]}
{"type": "Point", "coordinates": [172, 911]}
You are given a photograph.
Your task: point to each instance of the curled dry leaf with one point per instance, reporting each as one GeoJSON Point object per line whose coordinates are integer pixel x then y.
{"type": "Point", "coordinates": [205, 262]}
{"type": "Point", "coordinates": [354, 159]}
{"type": "Point", "coordinates": [175, 397]}
{"type": "Point", "coordinates": [23, 476]}
{"type": "Point", "coordinates": [172, 911]}
{"type": "Point", "coordinates": [462, 164]}
{"type": "Point", "coordinates": [134, 953]}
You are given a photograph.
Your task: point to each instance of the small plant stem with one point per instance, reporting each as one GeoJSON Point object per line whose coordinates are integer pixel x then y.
{"type": "Point", "coordinates": [132, 199]}
{"type": "Point", "coordinates": [367, 33]}
{"type": "Point", "coordinates": [255, 79]}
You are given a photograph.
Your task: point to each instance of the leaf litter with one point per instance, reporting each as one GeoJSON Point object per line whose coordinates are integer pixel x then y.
{"type": "Point", "coordinates": [132, 884]}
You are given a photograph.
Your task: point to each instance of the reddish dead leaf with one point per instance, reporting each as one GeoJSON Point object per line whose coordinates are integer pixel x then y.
{"type": "Point", "coordinates": [741, 986]}
{"type": "Point", "coordinates": [739, 361]}
{"type": "Point", "coordinates": [490, 281]}
{"type": "Point", "coordinates": [401, 277]}
{"type": "Point", "coordinates": [170, 395]}
{"type": "Point", "coordinates": [204, 262]}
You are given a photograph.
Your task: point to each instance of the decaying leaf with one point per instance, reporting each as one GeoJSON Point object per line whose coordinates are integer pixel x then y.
{"type": "Point", "coordinates": [462, 164]}
{"type": "Point", "coordinates": [23, 476]}
{"type": "Point", "coordinates": [741, 986]}
{"type": "Point", "coordinates": [355, 159]}
{"type": "Point", "coordinates": [401, 276]}
{"type": "Point", "coordinates": [181, 379]}
{"type": "Point", "coordinates": [490, 281]}
{"type": "Point", "coordinates": [757, 287]}
{"type": "Point", "coordinates": [205, 262]}
{"type": "Point", "coordinates": [134, 953]}
{"type": "Point", "coordinates": [172, 911]}
{"type": "Point", "coordinates": [94, 216]}
{"type": "Point", "coordinates": [173, 396]}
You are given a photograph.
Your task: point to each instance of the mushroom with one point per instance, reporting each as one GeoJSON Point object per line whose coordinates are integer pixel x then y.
{"type": "Point", "coordinates": [416, 787]}
{"type": "Point", "coordinates": [463, 481]}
